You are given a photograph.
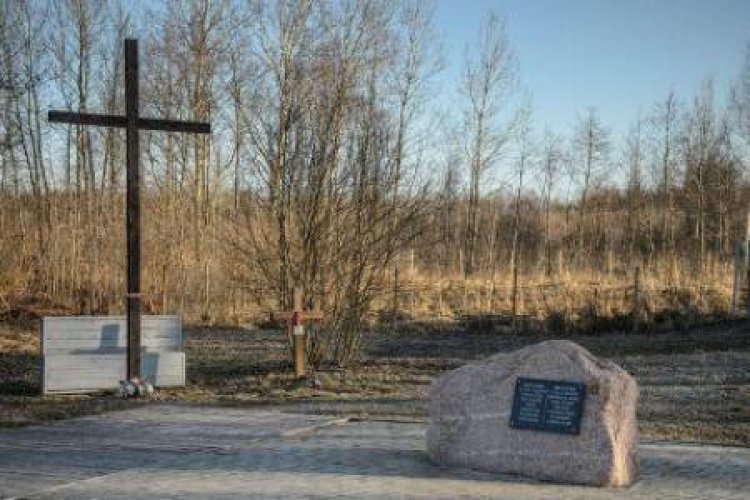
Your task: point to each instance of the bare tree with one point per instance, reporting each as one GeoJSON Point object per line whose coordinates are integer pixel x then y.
{"type": "Point", "coordinates": [486, 85]}
{"type": "Point", "coordinates": [634, 158]}
{"type": "Point", "coordinates": [331, 153]}
{"type": "Point", "coordinates": [700, 148]}
{"type": "Point", "coordinates": [665, 127]}
{"type": "Point", "coordinates": [741, 105]}
{"type": "Point", "coordinates": [525, 150]}
{"type": "Point", "coordinates": [591, 143]}
{"type": "Point", "coordinates": [416, 63]}
{"type": "Point", "coordinates": [551, 160]}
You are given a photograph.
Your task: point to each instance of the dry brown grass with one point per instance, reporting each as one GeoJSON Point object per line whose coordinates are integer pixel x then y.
{"type": "Point", "coordinates": [584, 301]}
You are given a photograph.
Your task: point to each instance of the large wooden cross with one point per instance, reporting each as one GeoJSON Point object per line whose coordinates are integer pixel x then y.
{"type": "Point", "coordinates": [295, 320]}
{"type": "Point", "coordinates": [132, 122]}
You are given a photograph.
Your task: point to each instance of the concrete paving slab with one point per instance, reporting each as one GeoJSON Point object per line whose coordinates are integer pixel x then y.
{"type": "Point", "coordinates": [170, 451]}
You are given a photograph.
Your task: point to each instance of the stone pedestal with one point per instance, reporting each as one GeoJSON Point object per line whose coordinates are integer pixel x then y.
{"type": "Point", "coordinates": [470, 408]}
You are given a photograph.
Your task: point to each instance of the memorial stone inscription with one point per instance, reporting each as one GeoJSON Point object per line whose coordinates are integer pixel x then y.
{"type": "Point", "coordinates": [548, 405]}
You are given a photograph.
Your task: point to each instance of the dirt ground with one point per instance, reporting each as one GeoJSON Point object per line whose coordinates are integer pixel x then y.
{"type": "Point", "coordinates": [695, 385]}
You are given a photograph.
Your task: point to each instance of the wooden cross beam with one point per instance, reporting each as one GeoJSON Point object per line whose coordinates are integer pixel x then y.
{"type": "Point", "coordinates": [315, 314]}
{"type": "Point", "coordinates": [132, 122]}
{"type": "Point", "coordinates": [296, 319]}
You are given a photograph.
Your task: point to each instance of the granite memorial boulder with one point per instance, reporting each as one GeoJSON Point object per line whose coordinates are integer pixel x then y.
{"type": "Point", "coordinates": [550, 411]}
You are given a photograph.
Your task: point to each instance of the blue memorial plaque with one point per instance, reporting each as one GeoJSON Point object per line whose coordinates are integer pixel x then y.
{"type": "Point", "coordinates": [548, 405]}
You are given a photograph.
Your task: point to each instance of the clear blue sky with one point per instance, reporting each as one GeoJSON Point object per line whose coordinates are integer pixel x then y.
{"type": "Point", "coordinates": [617, 55]}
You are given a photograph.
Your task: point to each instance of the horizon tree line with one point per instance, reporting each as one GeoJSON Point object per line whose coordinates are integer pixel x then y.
{"type": "Point", "coordinates": [330, 166]}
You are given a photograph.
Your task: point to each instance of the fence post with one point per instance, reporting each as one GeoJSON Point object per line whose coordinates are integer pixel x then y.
{"type": "Point", "coordinates": [233, 292]}
{"type": "Point", "coordinates": [440, 299]}
{"type": "Point", "coordinates": [636, 298]}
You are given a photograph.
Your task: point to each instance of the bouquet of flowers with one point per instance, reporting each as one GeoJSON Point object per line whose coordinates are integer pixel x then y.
{"type": "Point", "coordinates": [135, 387]}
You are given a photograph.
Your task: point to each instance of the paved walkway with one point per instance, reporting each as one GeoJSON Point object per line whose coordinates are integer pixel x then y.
{"type": "Point", "coordinates": [191, 452]}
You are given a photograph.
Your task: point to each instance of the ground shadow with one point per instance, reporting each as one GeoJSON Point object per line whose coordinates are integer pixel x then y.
{"type": "Point", "coordinates": [458, 344]}
{"type": "Point", "coordinates": [20, 374]}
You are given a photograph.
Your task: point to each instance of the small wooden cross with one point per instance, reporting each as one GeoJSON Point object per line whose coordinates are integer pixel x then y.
{"type": "Point", "coordinates": [132, 122]}
{"type": "Point", "coordinates": [295, 320]}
